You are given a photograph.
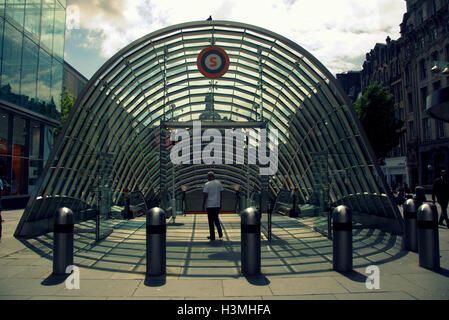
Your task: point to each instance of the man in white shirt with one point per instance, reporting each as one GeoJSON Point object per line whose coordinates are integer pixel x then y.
{"type": "Point", "coordinates": [213, 195]}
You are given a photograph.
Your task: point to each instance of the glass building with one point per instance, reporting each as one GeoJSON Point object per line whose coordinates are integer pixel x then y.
{"type": "Point", "coordinates": [115, 140]}
{"type": "Point", "coordinates": [31, 77]}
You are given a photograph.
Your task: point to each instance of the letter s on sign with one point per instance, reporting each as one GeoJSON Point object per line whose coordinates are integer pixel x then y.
{"type": "Point", "coordinates": [213, 63]}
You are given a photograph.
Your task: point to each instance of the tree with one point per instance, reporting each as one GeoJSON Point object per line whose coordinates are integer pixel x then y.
{"type": "Point", "coordinates": [376, 111]}
{"type": "Point", "coordinates": [67, 103]}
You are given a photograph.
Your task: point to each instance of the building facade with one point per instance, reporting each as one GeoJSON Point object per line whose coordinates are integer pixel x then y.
{"type": "Point", "coordinates": [31, 80]}
{"type": "Point", "coordinates": [351, 83]}
{"type": "Point", "coordinates": [73, 80]}
{"type": "Point", "coordinates": [411, 68]}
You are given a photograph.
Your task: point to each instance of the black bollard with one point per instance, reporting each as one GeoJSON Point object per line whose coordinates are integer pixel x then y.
{"type": "Point", "coordinates": [428, 241]}
{"type": "Point", "coordinates": [411, 228]}
{"type": "Point", "coordinates": [420, 196]}
{"type": "Point", "coordinates": [63, 241]}
{"type": "Point", "coordinates": [156, 242]}
{"type": "Point", "coordinates": [250, 246]}
{"type": "Point", "coordinates": [342, 239]}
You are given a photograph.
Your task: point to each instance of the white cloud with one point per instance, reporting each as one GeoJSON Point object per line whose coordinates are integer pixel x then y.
{"type": "Point", "coordinates": [337, 32]}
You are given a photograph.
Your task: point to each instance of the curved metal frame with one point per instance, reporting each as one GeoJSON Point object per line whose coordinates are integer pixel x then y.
{"type": "Point", "coordinates": [121, 108]}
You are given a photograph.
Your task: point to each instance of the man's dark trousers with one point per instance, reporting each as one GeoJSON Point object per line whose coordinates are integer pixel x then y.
{"type": "Point", "coordinates": [443, 204]}
{"type": "Point", "coordinates": [212, 216]}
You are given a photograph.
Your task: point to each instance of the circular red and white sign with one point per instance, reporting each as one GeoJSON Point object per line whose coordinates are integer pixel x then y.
{"type": "Point", "coordinates": [213, 62]}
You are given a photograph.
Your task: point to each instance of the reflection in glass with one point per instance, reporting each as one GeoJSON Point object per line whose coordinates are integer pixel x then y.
{"type": "Point", "coordinates": [12, 52]}
{"type": "Point", "coordinates": [48, 15]}
{"type": "Point", "coordinates": [19, 137]}
{"type": "Point", "coordinates": [44, 77]}
{"type": "Point", "coordinates": [4, 125]}
{"type": "Point", "coordinates": [56, 85]}
{"type": "Point", "coordinates": [33, 17]}
{"type": "Point", "coordinates": [15, 10]}
{"type": "Point", "coordinates": [29, 70]}
{"type": "Point", "coordinates": [35, 147]}
{"type": "Point", "coordinates": [4, 173]}
{"type": "Point", "coordinates": [59, 30]}
{"type": "Point", "coordinates": [19, 181]}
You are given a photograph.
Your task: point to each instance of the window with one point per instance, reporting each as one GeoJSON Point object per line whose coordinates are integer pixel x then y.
{"type": "Point", "coordinates": [422, 69]}
{"type": "Point", "coordinates": [19, 137]}
{"type": "Point", "coordinates": [446, 50]}
{"type": "Point", "coordinates": [423, 97]}
{"type": "Point", "coordinates": [436, 86]}
{"type": "Point", "coordinates": [411, 130]}
{"type": "Point", "coordinates": [29, 70]}
{"type": "Point", "coordinates": [12, 54]}
{"type": "Point", "coordinates": [33, 17]}
{"type": "Point", "coordinates": [440, 129]}
{"type": "Point", "coordinates": [435, 56]}
{"type": "Point", "coordinates": [15, 10]}
{"type": "Point", "coordinates": [420, 16]}
{"type": "Point", "coordinates": [410, 101]}
{"type": "Point", "coordinates": [48, 17]}
{"type": "Point", "coordinates": [433, 34]}
{"type": "Point", "coordinates": [426, 129]}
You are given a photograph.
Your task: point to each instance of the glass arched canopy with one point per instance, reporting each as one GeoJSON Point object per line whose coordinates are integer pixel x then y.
{"type": "Point", "coordinates": [117, 124]}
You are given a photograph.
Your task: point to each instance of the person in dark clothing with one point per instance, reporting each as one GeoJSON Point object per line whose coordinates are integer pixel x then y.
{"type": "Point", "coordinates": [440, 191]}
{"type": "Point", "coordinates": [212, 201]}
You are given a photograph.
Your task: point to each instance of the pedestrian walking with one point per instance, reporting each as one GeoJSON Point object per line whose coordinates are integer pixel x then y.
{"type": "Point", "coordinates": [212, 201]}
{"type": "Point", "coordinates": [440, 192]}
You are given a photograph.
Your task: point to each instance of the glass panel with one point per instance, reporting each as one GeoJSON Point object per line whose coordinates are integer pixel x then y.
{"type": "Point", "coordinates": [56, 86]}
{"type": "Point", "coordinates": [29, 73]}
{"type": "Point", "coordinates": [15, 10]}
{"type": "Point", "coordinates": [1, 42]}
{"type": "Point", "coordinates": [19, 181]}
{"type": "Point", "coordinates": [59, 29]}
{"type": "Point", "coordinates": [19, 137]}
{"type": "Point", "coordinates": [44, 80]}
{"type": "Point", "coordinates": [4, 175]}
{"type": "Point", "coordinates": [48, 15]}
{"type": "Point", "coordinates": [4, 126]}
{"type": "Point", "coordinates": [35, 147]}
{"type": "Point", "coordinates": [12, 53]}
{"type": "Point", "coordinates": [36, 168]}
{"type": "Point", "coordinates": [33, 17]}
{"type": "Point", "coordinates": [2, 8]}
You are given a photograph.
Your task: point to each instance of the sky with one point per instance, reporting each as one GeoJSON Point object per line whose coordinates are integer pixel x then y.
{"type": "Point", "coordinates": [339, 33]}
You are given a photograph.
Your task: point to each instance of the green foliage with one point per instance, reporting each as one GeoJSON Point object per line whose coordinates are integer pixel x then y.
{"type": "Point", "coordinates": [67, 103]}
{"type": "Point", "coordinates": [376, 111]}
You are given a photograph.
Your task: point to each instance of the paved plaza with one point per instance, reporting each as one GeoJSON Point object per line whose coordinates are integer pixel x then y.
{"type": "Point", "coordinates": [297, 264]}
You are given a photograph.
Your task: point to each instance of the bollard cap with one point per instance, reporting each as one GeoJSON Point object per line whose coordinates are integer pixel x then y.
{"type": "Point", "coordinates": [156, 216]}
{"type": "Point", "coordinates": [64, 216]}
{"type": "Point", "coordinates": [410, 205]}
{"type": "Point", "coordinates": [420, 193]}
{"type": "Point", "coordinates": [342, 214]}
{"type": "Point", "coordinates": [250, 216]}
{"type": "Point", "coordinates": [427, 212]}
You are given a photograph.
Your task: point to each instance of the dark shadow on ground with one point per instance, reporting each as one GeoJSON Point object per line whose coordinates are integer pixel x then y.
{"type": "Point", "coordinates": [233, 256]}
{"type": "Point", "coordinates": [258, 280]}
{"type": "Point", "coordinates": [155, 281]}
{"type": "Point", "coordinates": [176, 224]}
{"type": "Point", "coordinates": [443, 272]}
{"type": "Point", "coordinates": [354, 276]}
{"type": "Point", "coordinates": [53, 279]}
